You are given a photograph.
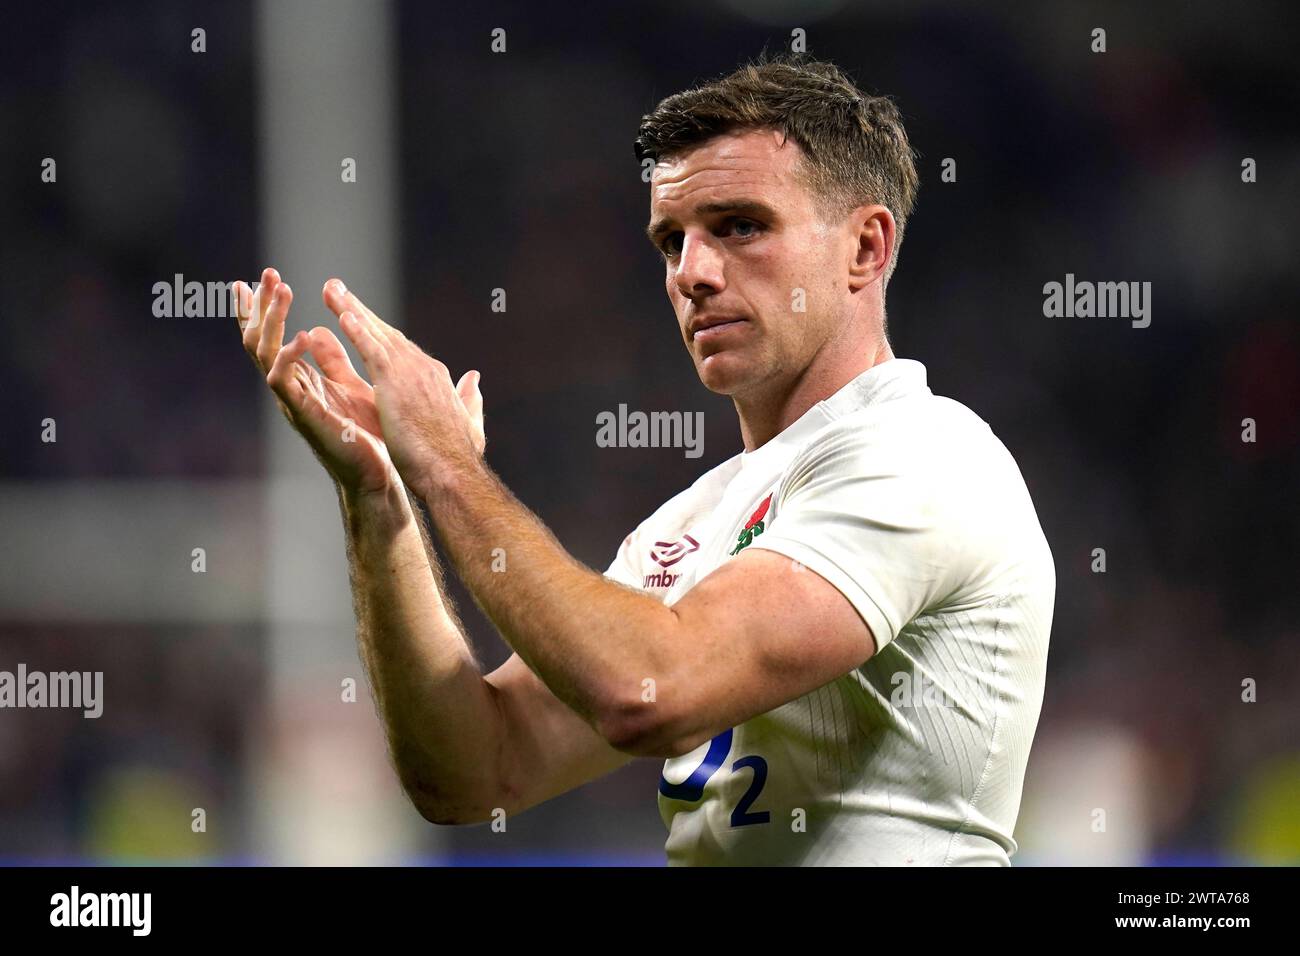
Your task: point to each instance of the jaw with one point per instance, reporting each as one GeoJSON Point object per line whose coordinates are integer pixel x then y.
{"type": "Point", "coordinates": [730, 371]}
{"type": "Point", "coordinates": [716, 378]}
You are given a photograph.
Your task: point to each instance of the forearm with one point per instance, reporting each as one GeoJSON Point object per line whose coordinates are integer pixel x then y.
{"type": "Point", "coordinates": [443, 724]}
{"type": "Point", "coordinates": [592, 641]}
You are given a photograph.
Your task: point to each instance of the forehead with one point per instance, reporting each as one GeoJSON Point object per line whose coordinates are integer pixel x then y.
{"type": "Point", "coordinates": [755, 162]}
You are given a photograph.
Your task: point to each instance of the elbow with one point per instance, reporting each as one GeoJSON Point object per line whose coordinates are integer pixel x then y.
{"type": "Point", "coordinates": [438, 815]}
{"type": "Point", "coordinates": [434, 809]}
{"type": "Point", "coordinates": [443, 809]}
{"type": "Point", "coordinates": [644, 728]}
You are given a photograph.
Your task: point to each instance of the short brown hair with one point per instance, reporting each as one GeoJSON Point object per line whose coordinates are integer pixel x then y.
{"type": "Point", "coordinates": [855, 146]}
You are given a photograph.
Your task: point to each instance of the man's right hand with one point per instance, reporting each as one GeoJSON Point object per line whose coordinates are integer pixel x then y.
{"type": "Point", "coordinates": [333, 408]}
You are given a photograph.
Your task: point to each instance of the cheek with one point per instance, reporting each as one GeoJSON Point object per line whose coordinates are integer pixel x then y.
{"type": "Point", "coordinates": [675, 298]}
{"type": "Point", "coordinates": [674, 293]}
{"type": "Point", "coordinates": [792, 294]}
{"type": "Point", "coordinates": [799, 303]}
{"type": "Point", "coordinates": [787, 269]}
{"type": "Point", "coordinates": [816, 278]}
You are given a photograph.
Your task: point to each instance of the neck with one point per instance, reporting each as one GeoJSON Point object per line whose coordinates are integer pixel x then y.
{"type": "Point", "coordinates": [765, 415]}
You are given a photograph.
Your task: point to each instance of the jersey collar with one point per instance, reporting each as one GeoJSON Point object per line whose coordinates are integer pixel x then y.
{"type": "Point", "coordinates": [895, 378]}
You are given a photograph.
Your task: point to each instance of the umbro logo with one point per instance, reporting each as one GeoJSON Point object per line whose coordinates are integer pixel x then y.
{"type": "Point", "coordinates": [668, 553]}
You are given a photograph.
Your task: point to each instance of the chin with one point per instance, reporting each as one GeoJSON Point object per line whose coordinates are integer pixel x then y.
{"type": "Point", "coordinates": [726, 373]}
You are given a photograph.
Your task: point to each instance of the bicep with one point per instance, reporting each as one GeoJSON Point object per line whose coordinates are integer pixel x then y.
{"type": "Point", "coordinates": [760, 631]}
{"type": "Point", "coordinates": [547, 749]}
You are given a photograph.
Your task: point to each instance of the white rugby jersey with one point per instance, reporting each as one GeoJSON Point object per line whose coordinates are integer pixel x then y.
{"type": "Point", "coordinates": [910, 506]}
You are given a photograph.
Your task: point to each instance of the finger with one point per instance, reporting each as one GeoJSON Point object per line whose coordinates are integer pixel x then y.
{"type": "Point", "coordinates": [332, 357]}
{"type": "Point", "coordinates": [248, 306]}
{"type": "Point", "coordinates": [266, 289]}
{"type": "Point", "coordinates": [470, 396]}
{"type": "Point", "coordinates": [273, 330]}
{"type": "Point", "coordinates": [310, 379]}
{"type": "Point", "coordinates": [257, 313]}
{"type": "Point", "coordinates": [283, 377]}
{"type": "Point", "coordinates": [339, 300]}
{"type": "Point", "coordinates": [372, 351]}
{"type": "Point", "coordinates": [243, 302]}
{"type": "Point", "coordinates": [310, 399]}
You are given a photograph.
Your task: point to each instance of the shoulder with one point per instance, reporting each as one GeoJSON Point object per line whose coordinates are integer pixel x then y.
{"type": "Point", "coordinates": [921, 435]}
{"type": "Point", "coordinates": [915, 462]}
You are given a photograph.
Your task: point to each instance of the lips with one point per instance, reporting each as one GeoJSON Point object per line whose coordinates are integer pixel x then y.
{"type": "Point", "coordinates": [713, 324]}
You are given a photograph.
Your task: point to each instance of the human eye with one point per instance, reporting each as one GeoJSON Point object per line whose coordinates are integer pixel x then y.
{"type": "Point", "coordinates": [671, 245]}
{"type": "Point", "coordinates": [744, 228]}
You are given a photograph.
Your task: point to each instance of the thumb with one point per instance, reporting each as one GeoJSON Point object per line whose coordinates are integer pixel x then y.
{"type": "Point", "coordinates": [468, 390]}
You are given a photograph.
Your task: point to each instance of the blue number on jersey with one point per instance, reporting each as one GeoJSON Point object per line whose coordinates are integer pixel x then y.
{"type": "Point", "coordinates": [741, 817]}
{"type": "Point", "coordinates": [692, 788]}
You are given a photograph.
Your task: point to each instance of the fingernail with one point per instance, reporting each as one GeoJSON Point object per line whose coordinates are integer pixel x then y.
{"type": "Point", "coordinates": [338, 284]}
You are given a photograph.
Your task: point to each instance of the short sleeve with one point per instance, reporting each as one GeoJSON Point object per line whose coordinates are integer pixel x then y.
{"type": "Point", "coordinates": [621, 569]}
{"type": "Point", "coordinates": [873, 515]}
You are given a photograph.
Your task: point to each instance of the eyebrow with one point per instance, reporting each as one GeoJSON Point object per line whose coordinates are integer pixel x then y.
{"type": "Point", "coordinates": [745, 207]}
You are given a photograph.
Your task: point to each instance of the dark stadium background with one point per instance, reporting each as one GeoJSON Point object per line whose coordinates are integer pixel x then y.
{"type": "Point", "coordinates": [516, 171]}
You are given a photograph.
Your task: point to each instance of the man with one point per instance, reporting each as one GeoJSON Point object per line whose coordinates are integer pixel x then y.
{"type": "Point", "coordinates": [844, 662]}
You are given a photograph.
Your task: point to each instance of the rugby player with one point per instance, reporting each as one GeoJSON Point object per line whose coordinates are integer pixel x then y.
{"type": "Point", "coordinates": [836, 639]}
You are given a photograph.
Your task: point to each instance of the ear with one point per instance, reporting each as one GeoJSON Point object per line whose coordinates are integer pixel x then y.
{"type": "Point", "coordinates": [873, 231]}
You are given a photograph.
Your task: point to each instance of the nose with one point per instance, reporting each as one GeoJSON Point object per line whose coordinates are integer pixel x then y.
{"type": "Point", "coordinates": [699, 268]}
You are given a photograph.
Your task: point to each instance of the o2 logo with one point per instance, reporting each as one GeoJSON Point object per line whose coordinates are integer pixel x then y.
{"type": "Point", "coordinates": [692, 788]}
